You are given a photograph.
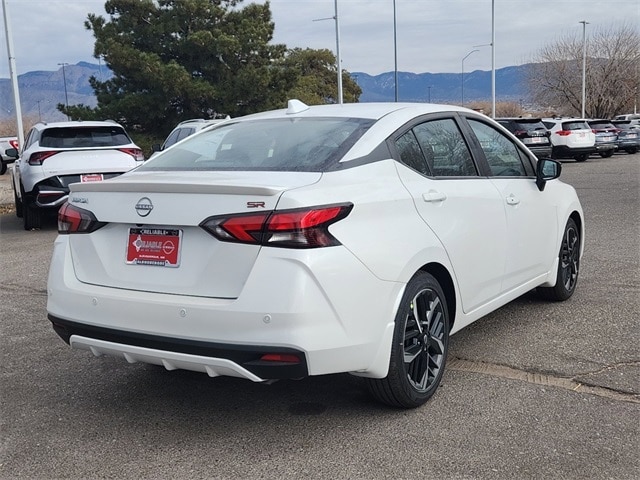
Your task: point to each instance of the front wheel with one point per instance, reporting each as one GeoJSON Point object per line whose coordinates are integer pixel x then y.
{"type": "Point", "coordinates": [582, 157]}
{"type": "Point", "coordinates": [3, 167]}
{"type": "Point", "coordinates": [606, 154]}
{"type": "Point", "coordinates": [568, 266]}
{"type": "Point", "coordinates": [632, 150]}
{"type": "Point", "coordinates": [420, 346]}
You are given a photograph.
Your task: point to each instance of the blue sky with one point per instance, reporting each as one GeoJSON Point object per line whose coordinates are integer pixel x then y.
{"type": "Point", "coordinates": [432, 35]}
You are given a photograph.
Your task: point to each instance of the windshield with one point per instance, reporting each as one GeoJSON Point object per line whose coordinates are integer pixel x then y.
{"type": "Point", "coordinates": [283, 144]}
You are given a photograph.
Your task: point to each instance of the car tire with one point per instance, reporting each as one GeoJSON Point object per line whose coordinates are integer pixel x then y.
{"type": "Point", "coordinates": [3, 167]}
{"type": "Point", "coordinates": [18, 204]}
{"type": "Point", "coordinates": [31, 216]}
{"type": "Point", "coordinates": [631, 151]}
{"type": "Point", "coordinates": [581, 157]}
{"type": "Point", "coordinates": [568, 265]}
{"type": "Point", "coordinates": [419, 348]}
{"type": "Point", "coordinates": [606, 154]}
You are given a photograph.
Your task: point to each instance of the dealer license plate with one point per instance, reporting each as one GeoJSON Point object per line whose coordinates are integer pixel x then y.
{"type": "Point", "coordinates": [154, 246]}
{"type": "Point", "coordinates": [91, 177]}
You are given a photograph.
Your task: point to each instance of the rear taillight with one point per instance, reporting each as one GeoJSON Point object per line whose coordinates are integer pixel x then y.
{"type": "Point", "coordinates": [14, 144]}
{"type": "Point", "coordinates": [520, 133]}
{"type": "Point", "coordinates": [38, 158]}
{"type": "Point", "coordinates": [136, 153]}
{"type": "Point", "coordinates": [299, 228]}
{"type": "Point", "coordinates": [563, 133]}
{"type": "Point", "coordinates": [72, 219]}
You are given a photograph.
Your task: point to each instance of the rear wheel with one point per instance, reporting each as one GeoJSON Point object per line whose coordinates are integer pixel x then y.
{"type": "Point", "coordinates": [420, 346]}
{"type": "Point", "coordinates": [568, 265]}
{"type": "Point", "coordinates": [582, 157]}
{"type": "Point", "coordinates": [31, 215]}
{"type": "Point", "coordinates": [632, 150]}
{"type": "Point", "coordinates": [606, 154]}
{"type": "Point", "coordinates": [3, 167]}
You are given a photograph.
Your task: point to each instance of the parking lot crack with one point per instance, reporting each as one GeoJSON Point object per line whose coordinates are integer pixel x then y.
{"type": "Point", "coordinates": [545, 379]}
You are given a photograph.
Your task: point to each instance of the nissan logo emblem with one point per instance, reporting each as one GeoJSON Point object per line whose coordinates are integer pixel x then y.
{"type": "Point", "coordinates": [144, 207]}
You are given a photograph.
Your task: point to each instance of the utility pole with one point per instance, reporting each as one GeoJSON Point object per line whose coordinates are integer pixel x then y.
{"type": "Point", "coordinates": [584, 65]}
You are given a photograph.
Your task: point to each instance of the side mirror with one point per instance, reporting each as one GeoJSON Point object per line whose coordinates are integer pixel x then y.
{"type": "Point", "coordinates": [546, 170]}
{"type": "Point", "coordinates": [11, 152]}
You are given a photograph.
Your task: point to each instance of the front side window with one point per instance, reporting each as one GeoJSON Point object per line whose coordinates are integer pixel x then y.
{"type": "Point", "coordinates": [277, 144]}
{"type": "Point", "coordinates": [503, 156]}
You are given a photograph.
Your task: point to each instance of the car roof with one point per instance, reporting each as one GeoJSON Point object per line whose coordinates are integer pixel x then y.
{"type": "Point", "coordinates": [373, 110]}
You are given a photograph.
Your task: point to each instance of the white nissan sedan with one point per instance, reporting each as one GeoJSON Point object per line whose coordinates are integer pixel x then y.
{"type": "Point", "coordinates": [314, 240]}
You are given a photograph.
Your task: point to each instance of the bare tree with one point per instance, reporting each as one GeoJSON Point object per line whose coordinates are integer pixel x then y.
{"type": "Point", "coordinates": [612, 73]}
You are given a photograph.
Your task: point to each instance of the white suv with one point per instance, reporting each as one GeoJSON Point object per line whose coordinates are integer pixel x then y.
{"type": "Point", "coordinates": [58, 154]}
{"type": "Point", "coordinates": [571, 138]}
{"type": "Point", "coordinates": [184, 129]}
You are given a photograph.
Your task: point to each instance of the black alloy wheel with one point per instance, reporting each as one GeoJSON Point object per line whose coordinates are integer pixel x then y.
{"type": "Point", "coordinates": [420, 346]}
{"type": "Point", "coordinates": [568, 265]}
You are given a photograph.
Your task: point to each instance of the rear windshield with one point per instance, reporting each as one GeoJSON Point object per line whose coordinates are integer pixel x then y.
{"type": "Point", "coordinates": [530, 124]}
{"type": "Point", "coordinates": [284, 144]}
{"type": "Point", "coordinates": [601, 125]}
{"type": "Point", "coordinates": [576, 125]}
{"type": "Point", "coordinates": [83, 137]}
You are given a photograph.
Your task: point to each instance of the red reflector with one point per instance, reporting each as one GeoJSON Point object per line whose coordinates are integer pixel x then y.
{"type": "Point", "coordinates": [563, 133]}
{"type": "Point", "coordinates": [14, 144]}
{"type": "Point", "coordinates": [280, 357]}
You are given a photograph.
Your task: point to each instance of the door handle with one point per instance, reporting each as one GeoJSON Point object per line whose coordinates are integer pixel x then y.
{"type": "Point", "coordinates": [434, 196]}
{"type": "Point", "coordinates": [512, 200]}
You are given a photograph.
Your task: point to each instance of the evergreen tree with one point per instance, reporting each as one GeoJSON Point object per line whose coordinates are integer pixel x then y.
{"type": "Point", "coordinates": [177, 59]}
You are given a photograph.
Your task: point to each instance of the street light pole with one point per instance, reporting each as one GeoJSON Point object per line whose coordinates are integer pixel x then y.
{"type": "Point", "coordinates": [338, 53]}
{"type": "Point", "coordinates": [64, 79]}
{"type": "Point", "coordinates": [465, 57]}
{"type": "Point", "coordinates": [395, 51]}
{"type": "Point", "coordinates": [14, 75]}
{"type": "Point", "coordinates": [584, 65]}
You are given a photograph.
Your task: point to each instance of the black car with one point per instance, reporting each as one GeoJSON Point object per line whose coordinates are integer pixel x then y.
{"type": "Point", "coordinates": [531, 132]}
{"type": "Point", "coordinates": [628, 135]}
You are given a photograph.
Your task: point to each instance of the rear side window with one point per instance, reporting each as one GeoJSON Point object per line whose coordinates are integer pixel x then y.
{"type": "Point", "coordinates": [282, 144]}
{"type": "Point", "coordinates": [84, 137]}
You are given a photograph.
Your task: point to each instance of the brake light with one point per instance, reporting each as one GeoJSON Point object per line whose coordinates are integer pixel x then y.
{"type": "Point", "coordinates": [38, 158]}
{"type": "Point", "coordinates": [14, 144]}
{"type": "Point", "coordinates": [72, 219]}
{"type": "Point", "coordinates": [136, 153]}
{"type": "Point", "coordinates": [299, 228]}
{"type": "Point", "coordinates": [563, 133]}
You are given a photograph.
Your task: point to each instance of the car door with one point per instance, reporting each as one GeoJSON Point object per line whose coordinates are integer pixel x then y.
{"type": "Point", "coordinates": [530, 214]}
{"type": "Point", "coordinates": [463, 209]}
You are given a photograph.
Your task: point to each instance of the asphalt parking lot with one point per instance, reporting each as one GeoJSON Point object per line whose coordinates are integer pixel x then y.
{"type": "Point", "coordinates": [534, 390]}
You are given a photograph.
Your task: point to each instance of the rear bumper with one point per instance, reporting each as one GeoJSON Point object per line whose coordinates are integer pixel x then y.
{"type": "Point", "coordinates": [215, 359]}
{"type": "Point", "coordinates": [334, 322]}
{"type": "Point", "coordinates": [562, 151]}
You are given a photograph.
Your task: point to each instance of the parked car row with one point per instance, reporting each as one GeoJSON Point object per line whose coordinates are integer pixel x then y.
{"type": "Point", "coordinates": [575, 138]}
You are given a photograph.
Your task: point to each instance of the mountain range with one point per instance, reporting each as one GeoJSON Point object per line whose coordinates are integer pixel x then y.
{"type": "Point", "coordinates": [41, 91]}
